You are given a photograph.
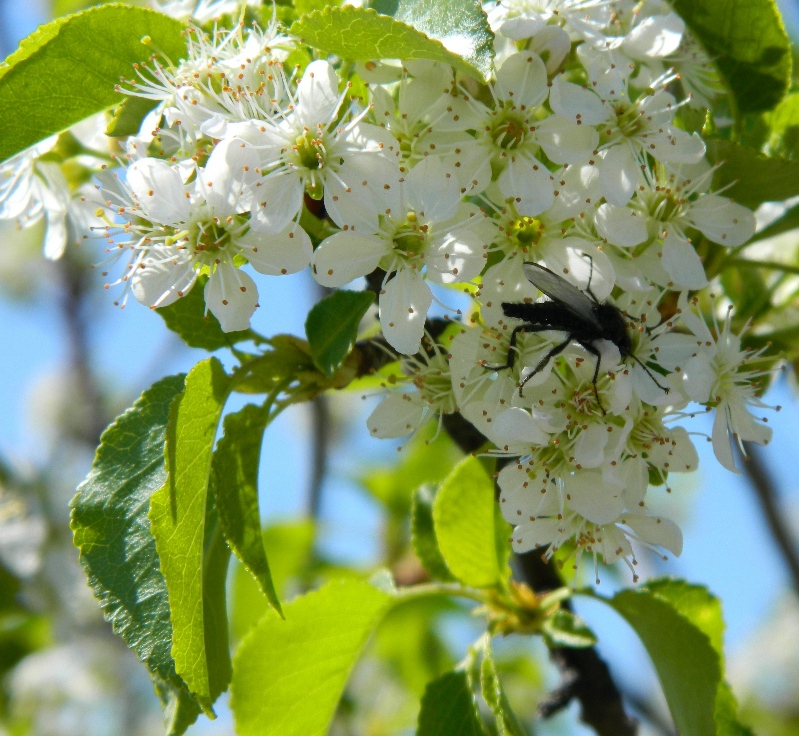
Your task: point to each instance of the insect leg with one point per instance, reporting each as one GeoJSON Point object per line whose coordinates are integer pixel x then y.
{"type": "Point", "coordinates": [587, 289]}
{"type": "Point", "coordinates": [557, 350]}
{"type": "Point", "coordinates": [511, 358]}
{"type": "Point", "coordinates": [591, 348]}
{"type": "Point", "coordinates": [643, 365]}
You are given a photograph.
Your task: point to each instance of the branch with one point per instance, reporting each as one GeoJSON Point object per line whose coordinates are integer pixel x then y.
{"type": "Point", "coordinates": [72, 303]}
{"type": "Point", "coordinates": [320, 444]}
{"type": "Point", "coordinates": [763, 485]}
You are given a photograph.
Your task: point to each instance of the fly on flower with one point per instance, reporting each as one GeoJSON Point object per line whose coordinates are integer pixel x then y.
{"type": "Point", "coordinates": [579, 314]}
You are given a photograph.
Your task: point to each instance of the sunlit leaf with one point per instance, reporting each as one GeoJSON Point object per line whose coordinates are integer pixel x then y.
{"type": "Point", "coordinates": [66, 71]}
{"type": "Point", "coordinates": [177, 515]}
{"type": "Point", "coordinates": [289, 675]}
{"type": "Point", "coordinates": [463, 514]}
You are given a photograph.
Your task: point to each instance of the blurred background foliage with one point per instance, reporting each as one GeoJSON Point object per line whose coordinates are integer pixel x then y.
{"type": "Point", "coordinates": [334, 499]}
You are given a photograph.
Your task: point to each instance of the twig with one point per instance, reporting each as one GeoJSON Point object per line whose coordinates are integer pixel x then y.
{"type": "Point", "coordinates": [320, 442]}
{"type": "Point", "coordinates": [766, 493]}
{"type": "Point", "coordinates": [73, 278]}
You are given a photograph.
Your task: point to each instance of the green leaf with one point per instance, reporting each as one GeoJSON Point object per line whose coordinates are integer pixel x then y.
{"type": "Point", "coordinates": [784, 123]}
{"type": "Point", "coordinates": [235, 468]}
{"type": "Point", "coordinates": [703, 609]}
{"type": "Point", "coordinates": [177, 515]}
{"type": "Point", "coordinates": [118, 552]}
{"type": "Point", "coordinates": [423, 535]}
{"type": "Point", "coordinates": [289, 675]}
{"type": "Point", "coordinates": [67, 70]}
{"type": "Point", "coordinates": [564, 629]}
{"type": "Point", "coordinates": [303, 7]}
{"type": "Point", "coordinates": [754, 178]}
{"type": "Point", "coordinates": [460, 25]}
{"type": "Point", "coordinates": [463, 515]}
{"type": "Point", "coordinates": [332, 327]}
{"type": "Point", "coordinates": [747, 40]}
{"type": "Point", "coordinates": [360, 34]}
{"type": "Point", "coordinates": [128, 116]}
{"type": "Point", "coordinates": [449, 708]}
{"type": "Point", "coordinates": [289, 551]}
{"type": "Point", "coordinates": [681, 627]}
{"type": "Point", "coordinates": [788, 221]}
{"type": "Point", "coordinates": [216, 556]}
{"type": "Point", "coordinates": [188, 318]}
{"type": "Point", "coordinates": [494, 695]}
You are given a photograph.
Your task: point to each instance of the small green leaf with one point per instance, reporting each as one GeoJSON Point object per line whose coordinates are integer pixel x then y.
{"type": "Point", "coordinates": [332, 327]}
{"type": "Point", "coordinates": [463, 515]}
{"type": "Point", "coordinates": [754, 178]}
{"type": "Point", "coordinates": [128, 116]}
{"type": "Point", "coordinates": [118, 552]}
{"type": "Point", "coordinates": [564, 629]}
{"type": "Point", "coordinates": [748, 42]}
{"type": "Point", "coordinates": [423, 535]}
{"type": "Point", "coordinates": [361, 34]}
{"type": "Point", "coordinates": [288, 675]}
{"type": "Point", "coordinates": [177, 515]}
{"type": "Point", "coordinates": [187, 318]}
{"type": "Point", "coordinates": [681, 627]}
{"type": "Point", "coordinates": [67, 70]}
{"type": "Point", "coordinates": [494, 695]}
{"type": "Point", "coordinates": [449, 708]}
{"type": "Point", "coordinates": [235, 468]}
{"type": "Point", "coordinates": [460, 25]}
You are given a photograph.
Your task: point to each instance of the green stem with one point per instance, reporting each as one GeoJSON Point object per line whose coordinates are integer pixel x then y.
{"type": "Point", "coordinates": [443, 589]}
{"type": "Point", "coordinates": [770, 265]}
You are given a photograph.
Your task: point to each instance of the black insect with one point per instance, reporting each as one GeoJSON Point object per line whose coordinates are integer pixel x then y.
{"type": "Point", "coordinates": [578, 313]}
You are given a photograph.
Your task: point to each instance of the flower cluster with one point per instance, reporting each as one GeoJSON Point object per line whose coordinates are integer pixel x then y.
{"type": "Point", "coordinates": [574, 156]}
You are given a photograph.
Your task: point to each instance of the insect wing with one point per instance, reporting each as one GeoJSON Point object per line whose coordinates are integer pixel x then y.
{"type": "Point", "coordinates": [562, 292]}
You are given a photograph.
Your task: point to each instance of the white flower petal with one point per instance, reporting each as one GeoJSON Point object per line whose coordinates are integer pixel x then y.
{"type": "Point", "coordinates": [592, 498]}
{"type": "Point", "coordinates": [227, 177]}
{"type": "Point", "coordinates": [682, 262]}
{"type": "Point", "coordinates": [432, 190]}
{"type": "Point", "coordinates": [163, 279]}
{"type": "Point", "coordinates": [535, 534]}
{"type": "Point", "coordinates": [232, 296]}
{"type": "Point", "coordinates": [345, 256]}
{"type": "Point", "coordinates": [621, 226]}
{"type": "Point", "coordinates": [657, 35]}
{"type": "Point", "coordinates": [514, 426]}
{"type": "Point", "coordinates": [403, 308]}
{"type": "Point", "coordinates": [589, 448]}
{"type": "Point", "coordinates": [575, 103]}
{"type": "Point", "coordinates": [276, 200]}
{"type": "Point", "coordinates": [722, 440]}
{"type": "Point", "coordinates": [619, 175]}
{"type": "Point", "coordinates": [528, 182]}
{"type": "Point", "coordinates": [280, 253]}
{"type": "Point", "coordinates": [566, 142]}
{"type": "Point", "coordinates": [723, 221]}
{"type": "Point", "coordinates": [317, 94]}
{"type": "Point", "coordinates": [657, 531]}
{"type": "Point", "coordinates": [159, 190]}
{"type": "Point", "coordinates": [397, 415]}
{"type": "Point", "coordinates": [522, 78]}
